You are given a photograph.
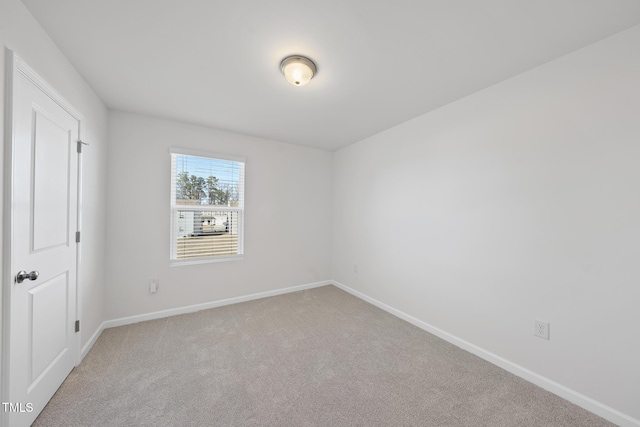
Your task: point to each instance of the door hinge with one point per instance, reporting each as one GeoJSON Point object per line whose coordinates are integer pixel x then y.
{"type": "Point", "coordinates": [77, 326]}
{"type": "Point", "coordinates": [79, 146]}
{"type": "Point", "coordinates": [77, 237]}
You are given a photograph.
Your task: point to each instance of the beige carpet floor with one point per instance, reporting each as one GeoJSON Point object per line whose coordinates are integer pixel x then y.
{"type": "Point", "coordinates": [319, 357]}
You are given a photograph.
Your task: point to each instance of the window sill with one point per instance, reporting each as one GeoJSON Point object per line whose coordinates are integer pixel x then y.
{"type": "Point", "coordinates": [180, 263]}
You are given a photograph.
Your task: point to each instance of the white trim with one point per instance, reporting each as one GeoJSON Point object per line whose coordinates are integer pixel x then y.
{"type": "Point", "coordinates": [203, 153]}
{"type": "Point", "coordinates": [194, 261]}
{"type": "Point", "coordinates": [212, 304]}
{"type": "Point", "coordinates": [79, 190]}
{"type": "Point", "coordinates": [92, 341]}
{"type": "Point", "coordinates": [572, 396]}
{"type": "Point", "coordinates": [45, 87]}
{"type": "Point", "coordinates": [7, 227]}
{"type": "Point", "coordinates": [206, 208]}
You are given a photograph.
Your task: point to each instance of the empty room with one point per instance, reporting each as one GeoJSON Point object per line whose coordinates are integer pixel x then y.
{"type": "Point", "coordinates": [337, 213]}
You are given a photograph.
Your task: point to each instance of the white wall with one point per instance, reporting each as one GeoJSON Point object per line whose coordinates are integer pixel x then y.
{"type": "Point", "coordinates": [21, 33]}
{"type": "Point", "coordinates": [287, 217]}
{"type": "Point", "coordinates": [517, 203]}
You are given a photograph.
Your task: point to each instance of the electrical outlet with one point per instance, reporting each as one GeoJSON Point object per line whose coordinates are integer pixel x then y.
{"type": "Point", "coordinates": [541, 329]}
{"type": "Point", "coordinates": [153, 285]}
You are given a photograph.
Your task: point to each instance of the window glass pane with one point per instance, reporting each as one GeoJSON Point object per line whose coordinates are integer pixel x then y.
{"type": "Point", "coordinates": [205, 181]}
{"type": "Point", "coordinates": [206, 234]}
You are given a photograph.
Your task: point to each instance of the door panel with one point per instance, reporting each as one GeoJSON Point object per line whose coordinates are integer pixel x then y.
{"type": "Point", "coordinates": [48, 325]}
{"type": "Point", "coordinates": [51, 143]}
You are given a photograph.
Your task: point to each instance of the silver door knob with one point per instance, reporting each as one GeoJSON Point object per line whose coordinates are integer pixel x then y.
{"type": "Point", "coordinates": [22, 275]}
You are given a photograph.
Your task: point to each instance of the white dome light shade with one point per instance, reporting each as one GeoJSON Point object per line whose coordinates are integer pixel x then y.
{"type": "Point", "coordinates": [298, 70]}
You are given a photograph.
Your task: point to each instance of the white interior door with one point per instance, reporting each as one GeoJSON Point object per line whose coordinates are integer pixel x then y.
{"type": "Point", "coordinates": [44, 214]}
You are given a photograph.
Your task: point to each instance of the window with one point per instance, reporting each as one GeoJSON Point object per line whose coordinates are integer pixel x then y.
{"type": "Point", "coordinates": [207, 207]}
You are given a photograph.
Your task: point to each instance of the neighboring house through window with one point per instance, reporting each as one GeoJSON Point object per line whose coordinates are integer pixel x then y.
{"type": "Point", "coordinates": [207, 206]}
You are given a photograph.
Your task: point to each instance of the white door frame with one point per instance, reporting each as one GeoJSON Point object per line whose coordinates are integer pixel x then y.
{"type": "Point", "coordinates": [13, 66]}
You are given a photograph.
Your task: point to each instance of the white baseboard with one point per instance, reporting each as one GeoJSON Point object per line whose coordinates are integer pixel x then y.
{"type": "Point", "coordinates": [212, 304]}
{"type": "Point", "coordinates": [91, 341]}
{"type": "Point", "coordinates": [572, 396]}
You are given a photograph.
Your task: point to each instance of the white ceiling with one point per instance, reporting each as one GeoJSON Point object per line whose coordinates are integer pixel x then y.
{"type": "Point", "coordinates": [380, 63]}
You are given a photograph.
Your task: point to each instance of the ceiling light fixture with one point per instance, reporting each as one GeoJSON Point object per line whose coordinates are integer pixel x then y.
{"type": "Point", "coordinates": [297, 69]}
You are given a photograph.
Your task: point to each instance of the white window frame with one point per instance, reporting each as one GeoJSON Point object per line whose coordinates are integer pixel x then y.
{"type": "Point", "coordinates": [175, 208]}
